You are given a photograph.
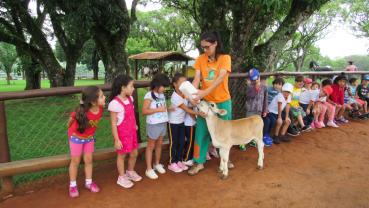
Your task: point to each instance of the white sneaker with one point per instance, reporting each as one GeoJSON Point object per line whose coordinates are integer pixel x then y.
{"type": "Point", "coordinates": [151, 174]}
{"type": "Point", "coordinates": [124, 182]}
{"type": "Point", "coordinates": [332, 124]}
{"type": "Point", "coordinates": [188, 163]}
{"type": "Point", "coordinates": [159, 168]}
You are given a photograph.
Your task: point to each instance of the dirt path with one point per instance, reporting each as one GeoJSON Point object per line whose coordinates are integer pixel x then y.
{"type": "Point", "coordinates": [324, 168]}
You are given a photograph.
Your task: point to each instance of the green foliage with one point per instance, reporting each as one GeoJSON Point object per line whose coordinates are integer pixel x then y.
{"type": "Point", "coordinates": [8, 57]}
{"type": "Point", "coordinates": [357, 13]}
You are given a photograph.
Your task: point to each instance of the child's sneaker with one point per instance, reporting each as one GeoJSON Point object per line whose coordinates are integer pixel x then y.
{"type": "Point", "coordinates": [159, 168]}
{"type": "Point", "coordinates": [267, 141]}
{"type": "Point", "coordinates": [253, 143]}
{"type": "Point", "coordinates": [73, 192]}
{"type": "Point", "coordinates": [151, 174]}
{"type": "Point", "coordinates": [306, 128]}
{"type": "Point", "coordinates": [312, 125]}
{"type": "Point", "coordinates": [182, 166]}
{"type": "Point", "coordinates": [92, 187]}
{"type": "Point", "coordinates": [332, 124]}
{"type": "Point", "coordinates": [343, 120]}
{"type": "Point", "coordinates": [174, 167]}
{"type": "Point", "coordinates": [322, 124]}
{"type": "Point", "coordinates": [124, 182]}
{"type": "Point", "coordinates": [317, 125]}
{"type": "Point", "coordinates": [242, 147]}
{"type": "Point", "coordinates": [188, 163]}
{"type": "Point", "coordinates": [133, 176]}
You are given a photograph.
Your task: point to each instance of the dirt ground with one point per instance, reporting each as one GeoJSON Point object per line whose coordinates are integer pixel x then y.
{"type": "Point", "coordinates": [323, 168]}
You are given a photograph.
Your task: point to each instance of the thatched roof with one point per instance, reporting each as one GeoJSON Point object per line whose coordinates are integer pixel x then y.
{"type": "Point", "coordinates": [163, 55]}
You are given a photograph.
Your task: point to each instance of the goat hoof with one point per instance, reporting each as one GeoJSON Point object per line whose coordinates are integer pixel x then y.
{"type": "Point", "coordinates": [223, 176]}
{"type": "Point", "coordinates": [260, 167]}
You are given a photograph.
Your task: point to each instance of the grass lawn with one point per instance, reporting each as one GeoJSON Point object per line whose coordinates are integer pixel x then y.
{"type": "Point", "coordinates": [19, 85]}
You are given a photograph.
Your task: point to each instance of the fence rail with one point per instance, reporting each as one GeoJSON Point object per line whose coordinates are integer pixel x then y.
{"type": "Point", "coordinates": [8, 168]}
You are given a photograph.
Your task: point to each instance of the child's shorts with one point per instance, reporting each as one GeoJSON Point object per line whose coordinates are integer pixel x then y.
{"type": "Point", "coordinates": [154, 131]}
{"type": "Point", "coordinates": [295, 112]}
{"type": "Point", "coordinates": [81, 146]}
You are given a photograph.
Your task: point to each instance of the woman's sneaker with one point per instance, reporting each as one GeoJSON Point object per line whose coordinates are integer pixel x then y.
{"type": "Point", "coordinates": [92, 187]}
{"type": "Point", "coordinates": [175, 168]}
{"type": "Point", "coordinates": [124, 182]}
{"type": "Point", "coordinates": [332, 124]}
{"type": "Point", "coordinates": [213, 152]}
{"type": "Point", "coordinates": [159, 168]}
{"type": "Point", "coordinates": [73, 192]}
{"type": "Point", "coordinates": [182, 166]}
{"type": "Point", "coordinates": [151, 174]}
{"type": "Point", "coordinates": [188, 163]}
{"type": "Point", "coordinates": [242, 147]}
{"type": "Point", "coordinates": [133, 176]}
{"type": "Point", "coordinates": [195, 169]}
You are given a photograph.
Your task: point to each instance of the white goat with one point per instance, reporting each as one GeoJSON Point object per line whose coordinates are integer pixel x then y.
{"type": "Point", "coordinates": [226, 133]}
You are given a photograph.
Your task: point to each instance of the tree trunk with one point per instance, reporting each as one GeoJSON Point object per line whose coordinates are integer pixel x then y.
{"type": "Point", "coordinates": [113, 55]}
{"type": "Point", "coordinates": [95, 64]}
{"type": "Point", "coordinates": [70, 71]}
{"type": "Point", "coordinates": [32, 73]}
{"type": "Point", "coordinates": [8, 77]}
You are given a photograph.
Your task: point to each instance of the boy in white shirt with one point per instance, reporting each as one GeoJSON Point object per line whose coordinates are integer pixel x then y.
{"type": "Point", "coordinates": [275, 116]}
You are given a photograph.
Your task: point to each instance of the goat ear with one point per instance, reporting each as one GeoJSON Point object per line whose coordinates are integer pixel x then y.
{"type": "Point", "coordinates": [222, 112]}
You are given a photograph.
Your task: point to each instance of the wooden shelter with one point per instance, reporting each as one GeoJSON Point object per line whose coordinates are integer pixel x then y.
{"type": "Point", "coordinates": [160, 57]}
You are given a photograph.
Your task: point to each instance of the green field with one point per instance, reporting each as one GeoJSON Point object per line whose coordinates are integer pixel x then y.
{"type": "Point", "coordinates": [19, 85]}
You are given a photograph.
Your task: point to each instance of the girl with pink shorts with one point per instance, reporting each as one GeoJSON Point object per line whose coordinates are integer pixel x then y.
{"type": "Point", "coordinates": [82, 125]}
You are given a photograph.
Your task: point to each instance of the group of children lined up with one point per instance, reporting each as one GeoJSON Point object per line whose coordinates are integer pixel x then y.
{"type": "Point", "coordinates": [84, 121]}
{"type": "Point", "coordinates": [305, 105]}
{"type": "Point", "coordinates": [282, 106]}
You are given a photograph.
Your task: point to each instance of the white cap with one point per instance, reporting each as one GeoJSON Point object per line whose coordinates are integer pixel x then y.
{"type": "Point", "coordinates": [288, 87]}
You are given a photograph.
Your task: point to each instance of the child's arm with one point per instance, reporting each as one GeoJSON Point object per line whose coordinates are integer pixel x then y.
{"type": "Point", "coordinates": [114, 130]}
{"type": "Point", "coordinates": [146, 110]}
{"type": "Point", "coordinates": [280, 111]}
{"type": "Point", "coordinates": [311, 103]}
{"type": "Point", "coordinates": [188, 110]}
{"type": "Point", "coordinates": [265, 103]}
{"type": "Point", "coordinates": [70, 121]}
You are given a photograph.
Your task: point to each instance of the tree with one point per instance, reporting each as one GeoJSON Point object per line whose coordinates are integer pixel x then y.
{"type": "Point", "coordinates": [111, 27]}
{"type": "Point", "coordinates": [8, 57]}
{"type": "Point", "coordinates": [358, 15]}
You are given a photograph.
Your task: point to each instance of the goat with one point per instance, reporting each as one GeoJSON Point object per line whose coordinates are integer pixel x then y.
{"type": "Point", "coordinates": [226, 133]}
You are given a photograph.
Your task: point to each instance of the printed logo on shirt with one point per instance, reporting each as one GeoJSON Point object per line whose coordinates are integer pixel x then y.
{"type": "Point", "coordinates": [94, 123]}
{"type": "Point", "coordinates": [211, 74]}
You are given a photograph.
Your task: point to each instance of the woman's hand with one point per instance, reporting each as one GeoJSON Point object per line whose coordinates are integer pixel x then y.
{"type": "Point", "coordinates": [199, 95]}
{"type": "Point", "coordinates": [117, 144]}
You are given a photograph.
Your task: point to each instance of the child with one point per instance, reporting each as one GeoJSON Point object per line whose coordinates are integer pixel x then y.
{"type": "Point", "coordinates": [275, 116]}
{"type": "Point", "coordinates": [306, 101]}
{"type": "Point", "coordinates": [352, 91]}
{"type": "Point", "coordinates": [337, 97]}
{"type": "Point", "coordinates": [297, 112]}
{"type": "Point", "coordinates": [82, 125]}
{"type": "Point", "coordinates": [124, 129]}
{"type": "Point", "coordinates": [319, 109]}
{"type": "Point", "coordinates": [190, 129]}
{"type": "Point", "coordinates": [177, 126]}
{"type": "Point", "coordinates": [324, 100]}
{"type": "Point", "coordinates": [363, 90]}
{"type": "Point", "coordinates": [275, 89]}
{"type": "Point", "coordinates": [154, 107]}
{"type": "Point", "coordinates": [256, 101]}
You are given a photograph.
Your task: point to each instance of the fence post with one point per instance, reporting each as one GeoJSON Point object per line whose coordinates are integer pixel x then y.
{"type": "Point", "coordinates": [7, 182]}
{"type": "Point", "coordinates": [135, 97]}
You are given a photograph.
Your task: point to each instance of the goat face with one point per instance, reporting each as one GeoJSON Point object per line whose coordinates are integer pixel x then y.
{"type": "Point", "coordinates": [210, 108]}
